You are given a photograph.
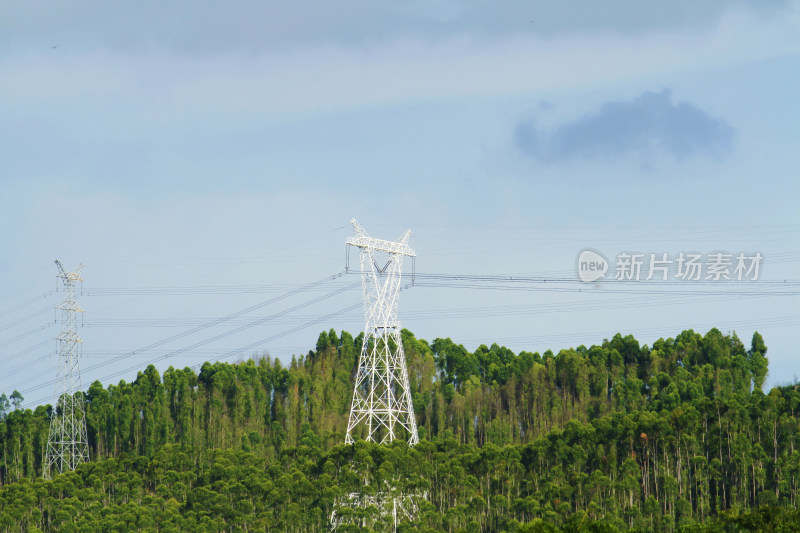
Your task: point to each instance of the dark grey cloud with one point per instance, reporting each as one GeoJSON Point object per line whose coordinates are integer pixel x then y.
{"type": "Point", "coordinates": [256, 26]}
{"type": "Point", "coordinates": [649, 125]}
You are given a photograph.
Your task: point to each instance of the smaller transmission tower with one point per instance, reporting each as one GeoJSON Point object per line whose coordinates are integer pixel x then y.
{"type": "Point", "coordinates": [67, 445]}
{"type": "Point", "coordinates": [381, 396]}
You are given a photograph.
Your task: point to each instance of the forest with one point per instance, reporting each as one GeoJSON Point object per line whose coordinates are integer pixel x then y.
{"type": "Point", "coordinates": [619, 436]}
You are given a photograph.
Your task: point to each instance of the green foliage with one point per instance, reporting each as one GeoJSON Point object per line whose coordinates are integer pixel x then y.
{"type": "Point", "coordinates": [614, 437]}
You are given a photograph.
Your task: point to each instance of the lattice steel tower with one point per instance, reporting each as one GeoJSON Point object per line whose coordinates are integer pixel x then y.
{"type": "Point", "coordinates": [382, 396]}
{"type": "Point", "coordinates": [67, 445]}
{"type": "Point", "coordinates": [381, 410]}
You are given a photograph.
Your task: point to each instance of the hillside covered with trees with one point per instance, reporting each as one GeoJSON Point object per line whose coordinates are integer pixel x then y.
{"type": "Point", "coordinates": [619, 436]}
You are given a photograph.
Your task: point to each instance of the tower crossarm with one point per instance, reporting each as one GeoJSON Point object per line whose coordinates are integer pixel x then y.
{"type": "Point", "coordinates": [363, 240]}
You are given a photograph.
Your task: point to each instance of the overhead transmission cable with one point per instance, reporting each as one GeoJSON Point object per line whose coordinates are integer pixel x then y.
{"type": "Point", "coordinates": [537, 283]}
{"type": "Point", "coordinates": [484, 282]}
{"type": "Point", "coordinates": [28, 333]}
{"type": "Point", "coordinates": [25, 318]}
{"type": "Point", "coordinates": [26, 303]}
{"type": "Point", "coordinates": [232, 352]}
{"type": "Point", "coordinates": [218, 321]}
{"type": "Point", "coordinates": [430, 280]}
{"type": "Point", "coordinates": [288, 332]}
{"type": "Point", "coordinates": [293, 330]}
{"type": "Point", "coordinates": [439, 313]}
{"type": "Point", "coordinates": [22, 352]}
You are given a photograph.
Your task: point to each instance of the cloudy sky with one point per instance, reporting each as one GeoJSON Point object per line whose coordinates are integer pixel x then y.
{"type": "Point", "coordinates": [203, 162]}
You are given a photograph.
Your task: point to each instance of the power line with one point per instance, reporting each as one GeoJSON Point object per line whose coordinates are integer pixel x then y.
{"type": "Point", "coordinates": [657, 292]}
{"type": "Point", "coordinates": [217, 321]}
{"type": "Point", "coordinates": [25, 318]}
{"type": "Point", "coordinates": [23, 352]}
{"type": "Point", "coordinates": [228, 354]}
{"type": "Point", "coordinates": [26, 303]}
{"type": "Point", "coordinates": [287, 332]}
{"type": "Point", "coordinates": [23, 335]}
{"type": "Point", "coordinates": [442, 313]}
{"type": "Point", "coordinates": [28, 364]}
{"type": "Point", "coordinates": [539, 278]}
{"type": "Point", "coordinates": [429, 277]}
{"type": "Point", "coordinates": [524, 282]}
{"type": "Point", "coordinates": [190, 290]}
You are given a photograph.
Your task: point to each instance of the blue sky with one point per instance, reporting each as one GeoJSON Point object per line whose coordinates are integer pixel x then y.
{"type": "Point", "coordinates": [187, 147]}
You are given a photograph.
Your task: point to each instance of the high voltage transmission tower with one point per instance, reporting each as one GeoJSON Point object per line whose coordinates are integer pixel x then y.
{"type": "Point", "coordinates": [381, 396]}
{"type": "Point", "coordinates": [67, 445]}
{"type": "Point", "coordinates": [381, 410]}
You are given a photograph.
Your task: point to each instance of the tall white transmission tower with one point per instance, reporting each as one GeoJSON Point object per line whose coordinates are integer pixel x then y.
{"type": "Point", "coordinates": [382, 396]}
{"type": "Point", "coordinates": [67, 445]}
{"type": "Point", "coordinates": [381, 410]}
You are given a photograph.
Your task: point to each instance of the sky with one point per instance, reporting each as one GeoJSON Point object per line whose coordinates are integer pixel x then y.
{"type": "Point", "coordinates": [203, 162]}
